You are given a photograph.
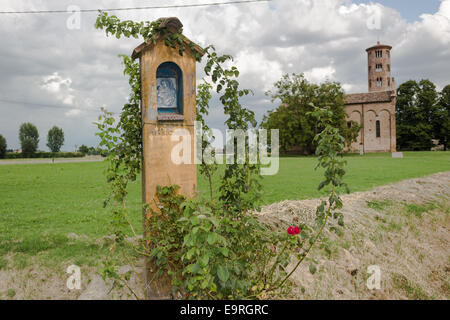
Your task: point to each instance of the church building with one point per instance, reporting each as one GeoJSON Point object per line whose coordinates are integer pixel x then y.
{"type": "Point", "coordinates": [375, 110]}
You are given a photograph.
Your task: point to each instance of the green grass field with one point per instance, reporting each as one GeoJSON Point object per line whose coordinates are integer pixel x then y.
{"type": "Point", "coordinates": [41, 203]}
{"type": "Point", "coordinates": [298, 180]}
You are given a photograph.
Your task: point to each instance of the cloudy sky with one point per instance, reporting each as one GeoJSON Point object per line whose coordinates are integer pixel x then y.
{"type": "Point", "coordinates": [54, 75]}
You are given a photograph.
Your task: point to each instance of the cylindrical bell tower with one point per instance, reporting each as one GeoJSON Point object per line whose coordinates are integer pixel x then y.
{"type": "Point", "coordinates": [379, 62]}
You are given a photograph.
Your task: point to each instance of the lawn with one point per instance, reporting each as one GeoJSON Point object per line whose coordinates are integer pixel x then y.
{"type": "Point", "coordinates": [41, 203]}
{"type": "Point", "coordinates": [297, 179]}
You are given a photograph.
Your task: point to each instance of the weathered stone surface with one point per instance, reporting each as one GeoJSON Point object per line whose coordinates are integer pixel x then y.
{"type": "Point", "coordinates": [173, 24]}
{"type": "Point", "coordinates": [170, 117]}
{"type": "Point", "coordinates": [173, 27]}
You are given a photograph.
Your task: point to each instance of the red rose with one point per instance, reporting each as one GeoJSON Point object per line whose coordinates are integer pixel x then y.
{"type": "Point", "coordinates": [293, 230]}
{"type": "Point", "coordinates": [290, 230]}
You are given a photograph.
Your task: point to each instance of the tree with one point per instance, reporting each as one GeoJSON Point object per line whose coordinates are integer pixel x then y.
{"type": "Point", "coordinates": [29, 139]}
{"type": "Point", "coordinates": [297, 97]}
{"type": "Point", "coordinates": [84, 149]}
{"type": "Point", "coordinates": [55, 139]}
{"type": "Point", "coordinates": [442, 122]}
{"type": "Point", "coordinates": [416, 113]}
{"type": "Point", "coordinates": [3, 147]}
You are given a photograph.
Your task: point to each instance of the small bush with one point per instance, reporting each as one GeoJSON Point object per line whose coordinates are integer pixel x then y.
{"type": "Point", "coordinates": [210, 255]}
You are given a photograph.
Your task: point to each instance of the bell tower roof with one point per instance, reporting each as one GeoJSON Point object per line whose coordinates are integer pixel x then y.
{"type": "Point", "coordinates": [379, 46]}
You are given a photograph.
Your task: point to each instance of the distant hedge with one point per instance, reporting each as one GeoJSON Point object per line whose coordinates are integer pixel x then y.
{"type": "Point", "coordinates": [45, 155]}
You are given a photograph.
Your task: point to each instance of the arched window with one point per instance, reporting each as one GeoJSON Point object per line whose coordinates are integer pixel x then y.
{"type": "Point", "coordinates": [378, 128]}
{"type": "Point", "coordinates": [169, 85]}
{"type": "Point", "coordinates": [379, 82]}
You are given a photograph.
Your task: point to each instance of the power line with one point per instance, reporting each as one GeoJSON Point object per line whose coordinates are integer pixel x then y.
{"type": "Point", "coordinates": [139, 8]}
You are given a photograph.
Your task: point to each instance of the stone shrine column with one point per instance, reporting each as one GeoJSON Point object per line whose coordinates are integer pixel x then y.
{"type": "Point", "coordinates": [168, 87]}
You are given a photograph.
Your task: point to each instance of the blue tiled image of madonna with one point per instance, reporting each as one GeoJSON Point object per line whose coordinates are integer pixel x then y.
{"type": "Point", "coordinates": [167, 93]}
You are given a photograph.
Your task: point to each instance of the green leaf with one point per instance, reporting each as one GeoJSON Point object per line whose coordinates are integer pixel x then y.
{"type": "Point", "coordinates": [204, 260]}
{"type": "Point", "coordinates": [204, 284]}
{"type": "Point", "coordinates": [223, 273]}
{"type": "Point", "coordinates": [212, 238]}
{"type": "Point", "coordinates": [224, 251]}
{"type": "Point", "coordinates": [190, 253]}
{"type": "Point", "coordinates": [193, 268]}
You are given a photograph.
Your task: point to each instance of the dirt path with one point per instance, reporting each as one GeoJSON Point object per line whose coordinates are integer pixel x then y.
{"type": "Point", "coordinates": [402, 228]}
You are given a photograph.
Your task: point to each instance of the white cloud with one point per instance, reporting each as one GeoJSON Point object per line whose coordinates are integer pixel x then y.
{"type": "Point", "coordinates": [73, 112]}
{"type": "Point", "coordinates": [59, 87]}
{"type": "Point", "coordinates": [318, 75]}
{"type": "Point", "coordinates": [261, 72]}
{"type": "Point", "coordinates": [347, 87]}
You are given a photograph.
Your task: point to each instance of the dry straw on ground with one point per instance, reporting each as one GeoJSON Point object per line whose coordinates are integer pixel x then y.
{"type": "Point", "coordinates": [402, 228]}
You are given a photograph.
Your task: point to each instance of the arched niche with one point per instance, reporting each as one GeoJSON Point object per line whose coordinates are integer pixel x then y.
{"type": "Point", "coordinates": [169, 85]}
{"type": "Point", "coordinates": [384, 116]}
{"type": "Point", "coordinates": [355, 116]}
{"type": "Point", "coordinates": [370, 119]}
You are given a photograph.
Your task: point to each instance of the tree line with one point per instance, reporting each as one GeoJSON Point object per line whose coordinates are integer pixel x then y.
{"type": "Point", "coordinates": [423, 115]}
{"type": "Point", "coordinates": [29, 141]}
{"type": "Point", "coordinates": [91, 151]}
